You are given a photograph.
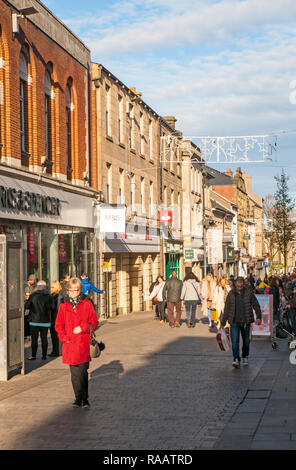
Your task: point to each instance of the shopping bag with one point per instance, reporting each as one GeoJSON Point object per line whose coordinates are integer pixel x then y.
{"type": "Point", "coordinates": [223, 339]}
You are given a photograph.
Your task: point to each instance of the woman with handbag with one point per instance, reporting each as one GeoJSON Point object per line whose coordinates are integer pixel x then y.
{"type": "Point", "coordinates": [157, 296]}
{"type": "Point", "coordinates": [73, 328]}
{"type": "Point", "coordinates": [192, 297]}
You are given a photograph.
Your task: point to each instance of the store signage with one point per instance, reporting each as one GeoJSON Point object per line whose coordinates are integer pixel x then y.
{"type": "Point", "coordinates": [188, 254]}
{"type": "Point", "coordinates": [25, 201]}
{"type": "Point", "coordinates": [165, 216]}
{"type": "Point", "coordinates": [112, 219]}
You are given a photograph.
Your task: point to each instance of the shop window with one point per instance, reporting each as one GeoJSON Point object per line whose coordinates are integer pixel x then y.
{"type": "Point", "coordinates": [83, 254]}
{"type": "Point", "coordinates": [49, 255]}
{"type": "Point", "coordinates": [32, 244]}
{"type": "Point", "coordinates": [65, 253]}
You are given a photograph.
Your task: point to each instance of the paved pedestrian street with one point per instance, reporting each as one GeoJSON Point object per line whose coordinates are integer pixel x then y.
{"type": "Point", "coordinates": [155, 388]}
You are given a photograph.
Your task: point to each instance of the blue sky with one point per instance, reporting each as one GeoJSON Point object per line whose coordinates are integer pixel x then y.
{"type": "Point", "coordinates": [221, 67]}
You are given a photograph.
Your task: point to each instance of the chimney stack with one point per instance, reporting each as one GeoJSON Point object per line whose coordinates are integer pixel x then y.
{"type": "Point", "coordinates": [171, 120]}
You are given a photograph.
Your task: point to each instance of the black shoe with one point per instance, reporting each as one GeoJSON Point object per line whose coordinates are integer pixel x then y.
{"type": "Point", "coordinates": [76, 404]}
{"type": "Point", "coordinates": [32, 358]}
{"type": "Point", "coordinates": [53, 355]}
{"type": "Point", "coordinates": [85, 404]}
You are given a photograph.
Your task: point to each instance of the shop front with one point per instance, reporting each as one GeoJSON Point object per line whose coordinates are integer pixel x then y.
{"type": "Point", "coordinates": [133, 260]}
{"type": "Point", "coordinates": [55, 226]}
{"type": "Point", "coordinates": [173, 251]}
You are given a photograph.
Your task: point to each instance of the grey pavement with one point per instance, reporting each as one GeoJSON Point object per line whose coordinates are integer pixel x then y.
{"type": "Point", "coordinates": [155, 388]}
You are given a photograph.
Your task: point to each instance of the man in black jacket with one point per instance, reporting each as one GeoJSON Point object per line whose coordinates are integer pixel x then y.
{"type": "Point", "coordinates": [238, 311]}
{"type": "Point", "coordinates": [41, 305]}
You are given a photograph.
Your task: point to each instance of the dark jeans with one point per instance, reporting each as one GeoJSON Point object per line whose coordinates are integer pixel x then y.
{"type": "Point", "coordinates": [161, 309]}
{"type": "Point", "coordinates": [35, 330]}
{"type": "Point", "coordinates": [79, 378]}
{"type": "Point", "coordinates": [55, 341]}
{"type": "Point", "coordinates": [190, 306]}
{"type": "Point", "coordinates": [236, 329]}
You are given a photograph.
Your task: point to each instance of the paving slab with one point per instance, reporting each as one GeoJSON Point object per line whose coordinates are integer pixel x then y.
{"type": "Point", "coordinates": [152, 388]}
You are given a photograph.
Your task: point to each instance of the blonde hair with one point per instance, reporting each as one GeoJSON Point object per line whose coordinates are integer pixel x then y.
{"type": "Point", "coordinates": [221, 279]}
{"type": "Point", "coordinates": [56, 285]}
{"type": "Point", "coordinates": [74, 282]}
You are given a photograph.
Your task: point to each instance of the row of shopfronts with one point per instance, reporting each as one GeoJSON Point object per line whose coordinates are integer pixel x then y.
{"type": "Point", "coordinates": [64, 241]}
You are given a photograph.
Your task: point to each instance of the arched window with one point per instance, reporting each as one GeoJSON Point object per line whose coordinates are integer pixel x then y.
{"type": "Point", "coordinates": [24, 103]}
{"type": "Point", "coordinates": [48, 124]}
{"type": "Point", "coordinates": [68, 131]}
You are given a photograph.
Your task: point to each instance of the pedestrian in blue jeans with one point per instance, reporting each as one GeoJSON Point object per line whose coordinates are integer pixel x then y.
{"type": "Point", "coordinates": [238, 311]}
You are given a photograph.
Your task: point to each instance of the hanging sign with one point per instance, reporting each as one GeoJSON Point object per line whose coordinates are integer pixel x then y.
{"type": "Point", "coordinates": [165, 216]}
{"type": "Point", "coordinates": [215, 247]}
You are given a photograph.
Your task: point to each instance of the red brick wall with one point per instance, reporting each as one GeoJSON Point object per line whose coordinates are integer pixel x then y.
{"type": "Point", "coordinates": [42, 50]}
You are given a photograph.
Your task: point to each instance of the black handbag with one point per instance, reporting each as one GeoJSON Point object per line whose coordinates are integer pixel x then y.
{"type": "Point", "coordinates": [95, 346]}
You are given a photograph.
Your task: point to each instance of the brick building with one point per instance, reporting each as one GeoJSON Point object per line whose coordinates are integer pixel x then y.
{"type": "Point", "coordinates": [46, 199]}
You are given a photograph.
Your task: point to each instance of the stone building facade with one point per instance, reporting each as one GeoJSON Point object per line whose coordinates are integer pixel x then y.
{"type": "Point", "coordinates": [125, 144]}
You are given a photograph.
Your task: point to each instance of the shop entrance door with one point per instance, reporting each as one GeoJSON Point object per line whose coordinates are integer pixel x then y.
{"type": "Point", "coordinates": [172, 264]}
{"type": "Point", "coordinates": [11, 307]}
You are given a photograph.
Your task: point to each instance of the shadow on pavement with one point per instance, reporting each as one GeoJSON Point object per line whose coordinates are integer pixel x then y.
{"type": "Point", "coordinates": [177, 397]}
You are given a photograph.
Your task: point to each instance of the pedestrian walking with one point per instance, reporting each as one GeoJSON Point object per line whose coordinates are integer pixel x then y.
{"type": "Point", "coordinates": [154, 300]}
{"type": "Point", "coordinates": [75, 315]}
{"type": "Point", "coordinates": [252, 279]}
{"type": "Point", "coordinates": [30, 286]}
{"type": "Point", "coordinates": [88, 287]}
{"type": "Point", "coordinates": [238, 312]}
{"type": "Point", "coordinates": [40, 304]}
{"type": "Point", "coordinates": [191, 295]}
{"type": "Point", "coordinates": [275, 292]}
{"type": "Point", "coordinates": [221, 292]}
{"type": "Point", "coordinates": [208, 287]}
{"type": "Point", "coordinates": [57, 296]}
{"type": "Point", "coordinates": [172, 294]}
{"type": "Point", "coordinates": [157, 292]}
{"type": "Point", "coordinates": [64, 281]}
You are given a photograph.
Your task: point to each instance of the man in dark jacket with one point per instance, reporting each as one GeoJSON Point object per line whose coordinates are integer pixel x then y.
{"type": "Point", "coordinates": [172, 294]}
{"type": "Point", "coordinates": [41, 305]}
{"type": "Point", "coordinates": [238, 311]}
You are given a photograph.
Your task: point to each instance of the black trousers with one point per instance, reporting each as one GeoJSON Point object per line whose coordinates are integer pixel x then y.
{"type": "Point", "coordinates": [79, 378]}
{"type": "Point", "coordinates": [55, 341]}
{"type": "Point", "coordinates": [35, 330]}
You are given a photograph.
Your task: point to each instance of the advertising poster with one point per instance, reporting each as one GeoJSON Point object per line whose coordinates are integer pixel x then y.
{"type": "Point", "coordinates": [264, 329]}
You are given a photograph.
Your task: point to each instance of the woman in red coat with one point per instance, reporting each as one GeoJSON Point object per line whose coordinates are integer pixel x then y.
{"type": "Point", "coordinates": [73, 329]}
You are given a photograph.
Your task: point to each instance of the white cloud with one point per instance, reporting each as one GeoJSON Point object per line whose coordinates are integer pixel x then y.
{"type": "Point", "coordinates": [207, 23]}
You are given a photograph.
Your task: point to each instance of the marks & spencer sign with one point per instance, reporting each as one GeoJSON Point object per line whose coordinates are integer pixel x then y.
{"type": "Point", "coordinates": [25, 201]}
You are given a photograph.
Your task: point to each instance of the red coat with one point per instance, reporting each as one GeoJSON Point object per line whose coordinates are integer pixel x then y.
{"type": "Point", "coordinates": [76, 346]}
